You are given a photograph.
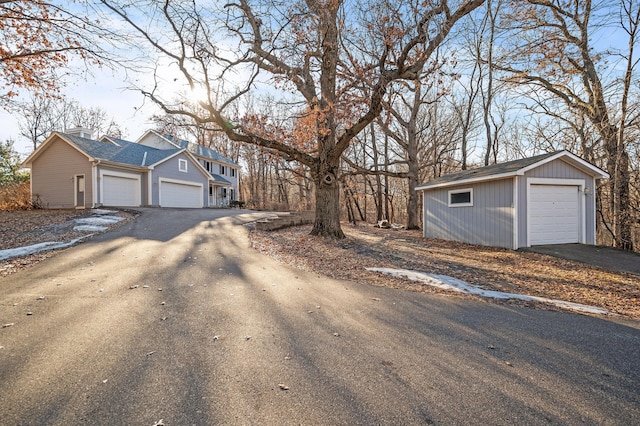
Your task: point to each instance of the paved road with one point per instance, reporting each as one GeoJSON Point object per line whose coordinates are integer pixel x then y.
{"type": "Point", "coordinates": [230, 326]}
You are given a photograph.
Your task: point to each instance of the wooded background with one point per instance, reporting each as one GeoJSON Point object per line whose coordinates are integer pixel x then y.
{"type": "Point", "coordinates": [369, 98]}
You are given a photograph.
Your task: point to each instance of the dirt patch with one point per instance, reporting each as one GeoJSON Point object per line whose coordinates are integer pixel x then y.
{"type": "Point", "coordinates": [489, 267]}
{"type": "Point", "coordinates": [23, 228]}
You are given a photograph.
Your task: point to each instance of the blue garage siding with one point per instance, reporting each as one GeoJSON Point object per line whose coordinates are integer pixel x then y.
{"type": "Point", "coordinates": [556, 169]}
{"type": "Point", "coordinates": [488, 222]}
{"type": "Point", "coordinates": [169, 170]}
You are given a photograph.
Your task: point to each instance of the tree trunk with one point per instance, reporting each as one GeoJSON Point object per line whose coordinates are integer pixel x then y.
{"type": "Point", "coordinates": [327, 221]}
{"type": "Point", "coordinates": [413, 218]}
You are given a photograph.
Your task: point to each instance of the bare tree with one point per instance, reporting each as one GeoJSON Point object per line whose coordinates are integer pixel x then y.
{"type": "Point", "coordinates": [38, 117]}
{"type": "Point", "coordinates": [309, 49]}
{"type": "Point", "coordinates": [550, 52]}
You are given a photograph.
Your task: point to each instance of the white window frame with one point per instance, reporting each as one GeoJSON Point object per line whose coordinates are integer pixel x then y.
{"type": "Point", "coordinates": [233, 171]}
{"type": "Point", "coordinates": [223, 170]}
{"type": "Point", "coordinates": [460, 191]}
{"type": "Point", "coordinates": [183, 165]}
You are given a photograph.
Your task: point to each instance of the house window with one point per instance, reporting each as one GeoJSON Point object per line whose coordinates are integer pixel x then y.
{"type": "Point", "coordinates": [207, 165]}
{"type": "Point", "coordinates": [233, 172]}
{"type": "Point", "coordinates": [222, 170]}
{"type": "Point", "coordinates": [461, 197]}
{"type": "Point", "coordinates": [182, 165]}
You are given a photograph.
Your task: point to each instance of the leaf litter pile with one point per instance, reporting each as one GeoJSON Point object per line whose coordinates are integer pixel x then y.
{"type": "Point", "coordinates": [488, 267]}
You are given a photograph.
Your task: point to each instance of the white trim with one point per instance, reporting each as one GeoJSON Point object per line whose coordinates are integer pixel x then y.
{"type": "Point", "coordinates": [460, 191]}
{"type": "Point", "coordinates": [183, 165]}
{"type": "Point", "coordinates": [595, 171]}
{"type": "Point", "coordinates": [595, 212]}
{"type": "Point", "coordinates": [94, 184]}
{"type": "Point", "coordinates": [123, 175]}
{"type": "Point", "coordinates": [180, 182]}
{"type": "Point", "coordinates": [578, 162]}
{"type": "Point", "coordinates": [189, 156]}
{"type": "Point", "coordinates": [561, 182]}
{"type": "Point", "coordinates": [515, 211]}
{"type": "Point", "coordinates": [150, 187]}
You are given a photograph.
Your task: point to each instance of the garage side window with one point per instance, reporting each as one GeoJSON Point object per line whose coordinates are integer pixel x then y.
{"type": "Point", "coordinates": [182, 165]}
{"type": "Point", "coordinates": [461, 197]}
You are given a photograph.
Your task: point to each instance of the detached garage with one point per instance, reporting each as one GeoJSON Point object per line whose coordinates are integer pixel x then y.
{"type": "Point", "coordinates": [546, 199]}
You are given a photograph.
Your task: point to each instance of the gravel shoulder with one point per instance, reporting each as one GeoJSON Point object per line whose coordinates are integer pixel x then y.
{"type": "Point", "coordinates": [489, 267]}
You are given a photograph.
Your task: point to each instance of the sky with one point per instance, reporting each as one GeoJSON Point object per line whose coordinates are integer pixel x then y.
{"type": "Point", "coordinates": [106, 90]}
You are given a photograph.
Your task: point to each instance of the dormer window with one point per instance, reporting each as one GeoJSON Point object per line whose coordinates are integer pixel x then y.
{"type": "Point", "coordinates": [182, 165]}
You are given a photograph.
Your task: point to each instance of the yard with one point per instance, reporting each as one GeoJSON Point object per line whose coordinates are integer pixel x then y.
{"type": "Point", "coordinates": [367, 246]}
{"type": "Point", "coordinates": [491, 268]}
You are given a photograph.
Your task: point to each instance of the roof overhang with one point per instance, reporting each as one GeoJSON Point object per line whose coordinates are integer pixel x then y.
{"type": "Point", "coordinates": [565, 156]}
{"type": "Point", "coordinates": [44, 145]}
{"type": "Point", "coordinates": [116, 165]}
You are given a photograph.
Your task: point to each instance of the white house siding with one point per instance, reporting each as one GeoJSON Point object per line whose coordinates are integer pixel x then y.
{"type": "Point", "coordinates": [169, 170]}
{"type": "Point", "coordinates": [557, 169]}
{"type": "Point", "coordinates": [488, 222]}
{"type": "Point", "coordinates": [52, 176]}
{"type": "Point", "coordinates": [154, 141]}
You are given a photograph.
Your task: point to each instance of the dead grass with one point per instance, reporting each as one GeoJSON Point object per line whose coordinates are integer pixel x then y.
{"type": "Point", "coordinates": [16, 196]}
{"type": "Point", "coordinates": [491, 268]}
{"type": "Point", "coordinates": [26, 227]}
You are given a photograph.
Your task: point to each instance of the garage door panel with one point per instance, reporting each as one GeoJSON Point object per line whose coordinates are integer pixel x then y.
{"type": "Point", "coordinates": [120, 191]}
{"type": "Point", "coordinates": [554, 214]}
{"type": "Point", "coordinates": [184, 195]}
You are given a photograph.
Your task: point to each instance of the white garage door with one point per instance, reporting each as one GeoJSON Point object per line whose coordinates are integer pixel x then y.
{"type": "Point", "coordinates": [174, 194]}
{"type": "Point", "coordinates": [120, 191]}
{"type": "Point", "coordinates": [554, 214]}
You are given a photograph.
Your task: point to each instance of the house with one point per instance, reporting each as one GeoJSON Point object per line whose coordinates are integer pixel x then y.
{"type": "Point", "coordinates": [72, 170]}
{"type": "Point", "coordinates": [223, 188]}
{"type": "Point", "coordinates": [546, 199]}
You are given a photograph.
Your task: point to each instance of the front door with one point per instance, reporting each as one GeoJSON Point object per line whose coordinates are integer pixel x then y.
{"type": "Point", "coordinates": [79, 191]}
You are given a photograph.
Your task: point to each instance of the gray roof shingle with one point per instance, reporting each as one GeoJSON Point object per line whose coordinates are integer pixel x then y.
{"type": "Point", "coordinates": [487, 171]}
{"type": "Point", "coordinates": [129, 153]}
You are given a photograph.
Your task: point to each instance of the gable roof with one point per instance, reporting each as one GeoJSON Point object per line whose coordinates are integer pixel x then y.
{"type": "Point", "coordinates": [126, 153]}
{"type": "Point", "coordinates": [199, 150]}
{"type": "Point", "coordinates": [512, 168]}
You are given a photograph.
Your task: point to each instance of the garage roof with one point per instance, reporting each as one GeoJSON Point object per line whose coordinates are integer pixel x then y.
{"type": "Point", "coordinates": [126, 153]}
{"type": "Point", "coordinates": [512, 168]}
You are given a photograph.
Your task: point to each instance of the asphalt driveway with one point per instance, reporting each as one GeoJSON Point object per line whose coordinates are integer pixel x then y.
{"type": "Point", "coordinates": [174, 318]}
{"type": "Point", "coordinates": [603, 257]}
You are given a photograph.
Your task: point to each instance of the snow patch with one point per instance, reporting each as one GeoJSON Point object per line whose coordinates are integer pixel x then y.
{"type": "Point", "coordinates": [35, 248]}
{"type": "Point", "coordinates": [98, 221]}
{"type": "Point", "coordinates": [445, 282]}
{"type": "Point", "coordinates": [90, 228]}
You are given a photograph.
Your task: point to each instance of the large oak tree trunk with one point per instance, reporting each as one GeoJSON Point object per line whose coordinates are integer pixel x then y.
{"type": "Point", "coordinates": [327, 221]}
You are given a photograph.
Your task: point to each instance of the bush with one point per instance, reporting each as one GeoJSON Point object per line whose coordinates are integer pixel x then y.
{"type": "Point", "coordinates": [17, 196]}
